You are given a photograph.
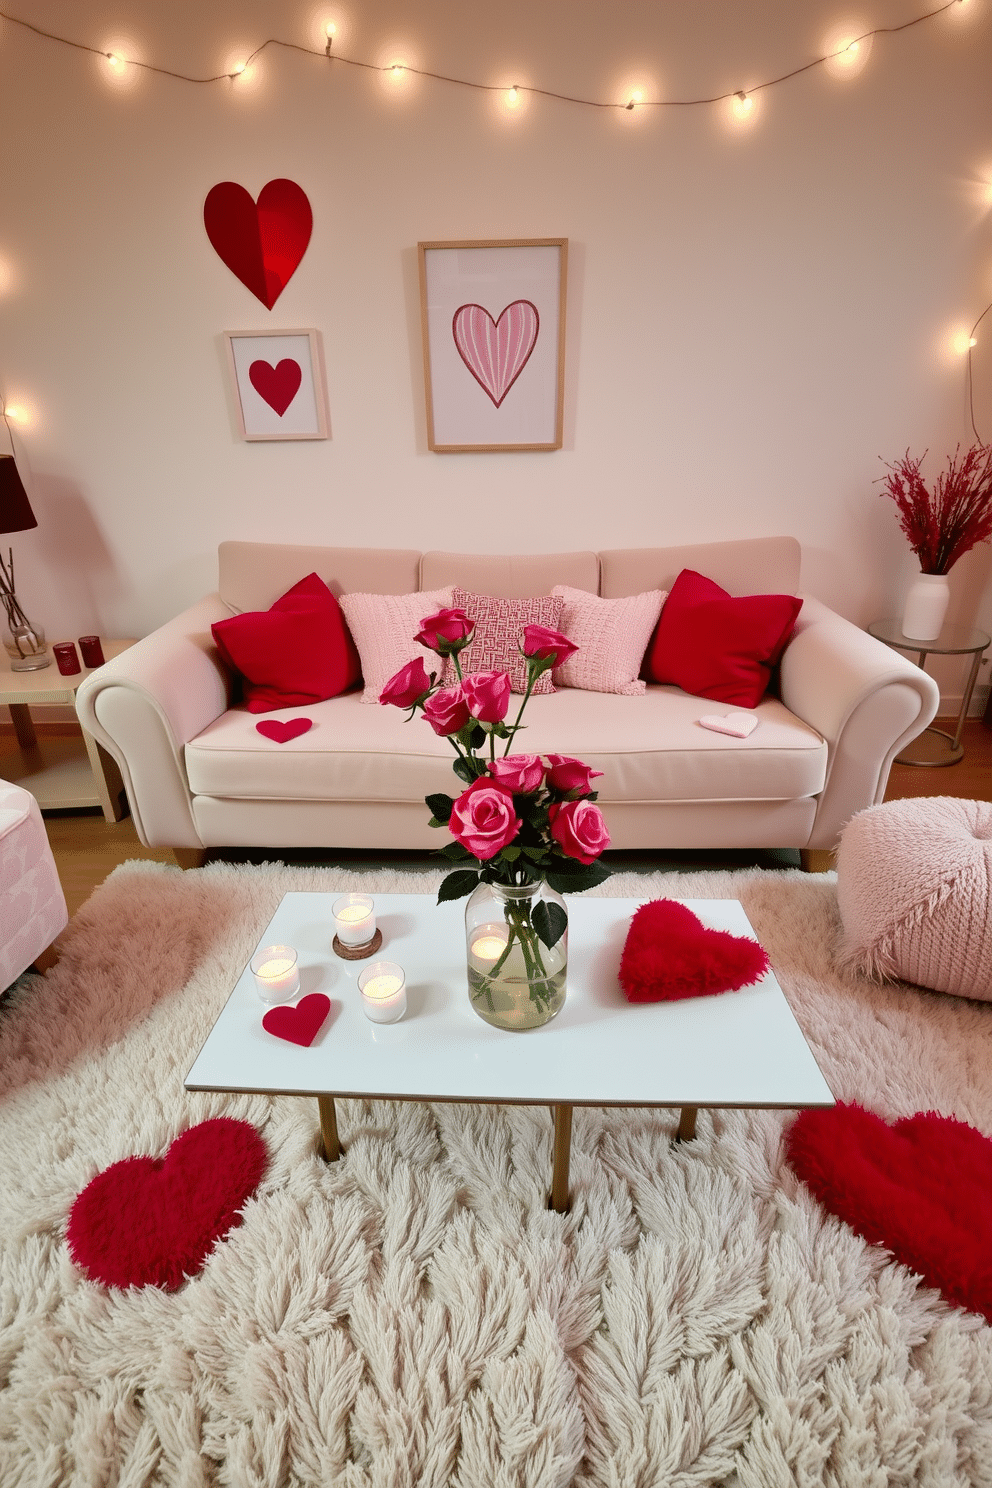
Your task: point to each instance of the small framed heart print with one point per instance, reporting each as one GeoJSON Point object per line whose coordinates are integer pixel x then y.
{"type": "Point", "coordinates": [278, 384]}
{"type": "Point", "coordinates": [493, 321]}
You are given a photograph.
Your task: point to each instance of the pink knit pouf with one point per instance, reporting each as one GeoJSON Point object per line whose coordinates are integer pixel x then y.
{"type": "Point", "coordinates": [914, 889]}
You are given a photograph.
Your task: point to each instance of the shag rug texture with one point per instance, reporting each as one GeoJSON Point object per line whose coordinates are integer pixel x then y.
{"type": "Point", "coordinates": [415, 1314]}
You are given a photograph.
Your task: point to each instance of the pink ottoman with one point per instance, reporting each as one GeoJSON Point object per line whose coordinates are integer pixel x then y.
{"type": "Point", "coordinates": [32, 905]}
{"type": "Point", "coordinates": [914, 889]}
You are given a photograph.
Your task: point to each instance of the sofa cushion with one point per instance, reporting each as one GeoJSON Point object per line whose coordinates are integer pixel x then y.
{"type": "Point", "coordinates": [499, 626]}
{"type": "Point", "coordinates": [383, 627]}
{"type": "Point", "coordinates": [717, 647]}
{"type": "Point", "coordinates": [612, 636]}
{"type": "Point", "coordinates": [299, 651]}
{"type": "Point", "coordinates": [649, 748]}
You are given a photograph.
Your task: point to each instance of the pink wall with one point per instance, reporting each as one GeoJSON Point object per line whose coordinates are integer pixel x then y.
{"type": "Point", "coordinates": [755, 314]}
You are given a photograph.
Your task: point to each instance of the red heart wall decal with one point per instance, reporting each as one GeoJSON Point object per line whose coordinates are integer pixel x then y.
{"type": "Point", "coordinates": [275, 728]}
{"type": "Point", "coordinates": [153, 1221]}
{"type": "Point", "coordinates": [496, 351]}
{"type": "Point", "coordinates": [669, 953]}
{"type": "Point", "coordinates": [922, 1188]}
{"type": "Point", "coordinates": [260, 244]}
{"type": "Point", "coordinates": [300, 1024]}
{"type": "Point", "coordinates": [277, 385]}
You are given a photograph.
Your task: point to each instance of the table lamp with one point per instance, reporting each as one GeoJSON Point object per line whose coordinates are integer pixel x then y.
{"type": "Point", "coordinates": [24, 641]}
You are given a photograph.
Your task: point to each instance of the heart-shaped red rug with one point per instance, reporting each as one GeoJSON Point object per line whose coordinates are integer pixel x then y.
{"type": "Point", "coordinates": [281, 731]}
{"type": "Point", "coordinates": [300, 1024]}
{"type": "Point", "coordinates": [278, 385]}
{"type": "Point", "coordinates": [261, 244]}
{"type": "Point", "coordinates": [669, 953]}
{"type": "Point", "coordinates": [496, 351]}
{"type": "Point", "coordinates": [150, 1221]}
{"type": "Point", "coordinates": [922, 1188]}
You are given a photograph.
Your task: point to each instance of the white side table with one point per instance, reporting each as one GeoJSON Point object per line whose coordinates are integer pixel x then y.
{"type": "Point", "coordinates": [954, 640]}
{"type": "Point", "coordinates": [60, 773]}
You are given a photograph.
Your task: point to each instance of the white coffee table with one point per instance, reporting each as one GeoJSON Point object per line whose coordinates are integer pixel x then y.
{"type": "Point", "coordinates": [739, 1049]}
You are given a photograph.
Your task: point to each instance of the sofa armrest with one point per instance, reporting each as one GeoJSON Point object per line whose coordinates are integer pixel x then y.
{"type": "Point", "coordinates": [866, 700]}
{"type": "Point", "coordinates": [146, 704]}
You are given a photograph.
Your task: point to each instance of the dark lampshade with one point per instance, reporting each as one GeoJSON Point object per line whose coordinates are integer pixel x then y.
{"type": "Point", "coordinates": [15, 508]}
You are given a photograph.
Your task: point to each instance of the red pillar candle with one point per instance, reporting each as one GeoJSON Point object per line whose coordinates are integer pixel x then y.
{"type": "Point", "coordinates": [66, 658]}
{"type": "Point", "coordinates": [92, 651]}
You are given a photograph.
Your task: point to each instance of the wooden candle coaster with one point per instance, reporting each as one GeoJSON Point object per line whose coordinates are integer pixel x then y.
{"type": "Point", "coordinates": [357, 953]}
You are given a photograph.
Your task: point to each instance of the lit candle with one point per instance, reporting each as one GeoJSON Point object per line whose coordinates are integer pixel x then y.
{"type": "Point", "coordinates": [383, 989]}
{"type": "Point", "coordinates": [354, 919]}
{"type": "Point", "coordinates": [488, 944]}
{"type": "Point", "coordinates": [277, 976]}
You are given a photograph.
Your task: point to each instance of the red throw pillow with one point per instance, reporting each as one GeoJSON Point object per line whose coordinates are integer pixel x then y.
{"type": "Point", "coordinates": [717, 647]}
{"type": "Point", "coordinates": [299, 651]}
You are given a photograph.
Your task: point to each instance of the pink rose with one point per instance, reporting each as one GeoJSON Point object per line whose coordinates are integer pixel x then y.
{"type": "Point", "coordinates": [567, 774]}
{"type": "Point", "coordinates": [579, 829]}
{"type": "Point", "coordinates": [518, 772]}
{"type": "Point", "coordinates": [447, 711]}
{"type": "Point", "coordinates": [447, 631]}
{"type": "Point", "coordinates": [407, 686]}
{"type": "Point", "coordinates": [487, 695]}
{"type": "Point", "coordinates": [483, 818]}
{"type": "Point", "coordinates": [540, 642]}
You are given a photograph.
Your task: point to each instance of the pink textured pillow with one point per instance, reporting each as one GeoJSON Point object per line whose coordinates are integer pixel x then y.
{"type": "Point", "coordinates": [499, 625]}
{"type": "Point", "coordinates": [612, 636]}
{"type": "Point", "coordinates": [383, 627]}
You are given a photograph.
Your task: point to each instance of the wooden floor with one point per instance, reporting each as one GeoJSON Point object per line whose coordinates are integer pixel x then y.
{"type": "Point", "coordinates": [87, 848]}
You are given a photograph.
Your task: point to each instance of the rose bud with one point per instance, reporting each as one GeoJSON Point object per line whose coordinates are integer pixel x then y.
{"type": "Point", "coordinates": [487, 695]}
{"type": "Point", "coordinates": [568, 774]}
{"type": "Point", "coordinates": [408, 686]}
{"type": "Point", "coordinates": [446, 631]}
{"type": "Point", "coordinates": [446, 710]}
{"type": "Point", "coordinates": [542, 644]}
{"type": "Point", "coordinates": [483, 819]}
{"type": "Point", "coordinates": [579, 829]}
{"type": "Point", "coordinates": [523, 773]}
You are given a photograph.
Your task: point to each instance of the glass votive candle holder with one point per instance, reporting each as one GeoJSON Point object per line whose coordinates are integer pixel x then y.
{"type": "Point", "coordinates": [92, 651]}
{"type": "Point", "coordinates": [66, 658]}
{"type": "Point", "coordinates": [383, 989]}
{"type": "Point", "coordinates": [277, 976]}
{"type": "Point", "coordinates": [354, 919]}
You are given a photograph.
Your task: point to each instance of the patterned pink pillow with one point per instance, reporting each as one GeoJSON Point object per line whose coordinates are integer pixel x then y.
{"type": "Point", "coordinates": [612, 636]}
{"type": "Point", "coordinates": [383, 627]}
{"type": "Point", "coordinates": [499, 625]}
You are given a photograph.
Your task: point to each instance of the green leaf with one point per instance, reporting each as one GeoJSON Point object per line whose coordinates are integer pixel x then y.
{"type": "Point", "coordinates": [477, 737]}
{"type": "Point", "coordinates": [456, 851]}
{"type": "Point", "coordinates": [457, 885]}
{"type": "Point", "coordinates": [574, 880]}
{"type": "Point", "coordinates": [440, 806]}
{"type": "Point", "coordinates": [510, 854]}
{"type": "Point", "coordinates": [463, 769]}
{"type": "Point", "coordinates": [536, 854]}
{"type": "Point", "coordinates": [550, 922]}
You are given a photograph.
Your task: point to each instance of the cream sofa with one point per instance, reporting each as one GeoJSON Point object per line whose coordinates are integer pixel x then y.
{"type": "Point", "coordinates": [198, 775]}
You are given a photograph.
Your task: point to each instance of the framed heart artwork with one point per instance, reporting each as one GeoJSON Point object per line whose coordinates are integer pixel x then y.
{"type": "Point", "coordinates": [493, 319]}
{"type": "Point", "coordinates": [278, 384]}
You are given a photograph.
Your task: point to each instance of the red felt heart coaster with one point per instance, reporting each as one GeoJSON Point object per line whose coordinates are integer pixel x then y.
{"type": "Point", "coordinates": [922, 1188]}
{"type": "Point", "coordinates": [300, 1024]}
{"type": "Point", "coordinates": [275, 728]}
{"type": "Point", "coordinates": [261, 244]}
{"type": "Point", "coordinates": [153, 1221]}
{"type": "Point", "coordinates": [669, 953]}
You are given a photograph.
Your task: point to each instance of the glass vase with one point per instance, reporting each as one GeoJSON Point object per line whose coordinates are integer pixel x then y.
{"type": "Point", "coordinates": [25, 645]}
{"type": "Point", "coordinates": [515, 979]}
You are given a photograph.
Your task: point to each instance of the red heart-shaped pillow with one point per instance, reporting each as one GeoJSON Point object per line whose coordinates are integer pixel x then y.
{"type": "Point", "coordinates": [150, 1221]}
{"type": "Point", "coordinates": [922, 1188]}
{"type": "Point", "coordinates": [300, 1024]}
{"type": "Point", "coordinates": [274, 728]}
{"type": "Point", "coordinates": [669, 953]}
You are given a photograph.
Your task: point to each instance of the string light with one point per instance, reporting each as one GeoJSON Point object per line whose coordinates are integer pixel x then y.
{"type": "Point", "coordinates": [113, 61]}
{"type": "Point", "coordinates": [857, 48]}
{"type": "Point", "coordinates": [513, 97]}
{"type": "Point", "coordinates": [635, 98]}
{"type": "Point", "coordinates": [741, 105]}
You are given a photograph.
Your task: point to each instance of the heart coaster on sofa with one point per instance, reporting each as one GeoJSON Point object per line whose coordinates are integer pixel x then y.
{"type": "Point", "coordinates": [921, 1187]}
{"type": "Point", "coordinates": [669, 953]}
{"type": "Point", "coordinates": [737, 724]}
{"type": "Point", "coordinates": [281, 732]}
{"type": "Point", "coordinates": [149, 1221]}
{"type": "Point", "coordinates": [300, 1024]}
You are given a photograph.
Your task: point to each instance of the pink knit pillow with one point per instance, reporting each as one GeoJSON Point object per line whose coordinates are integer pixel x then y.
{"type": "Point", "coordinates": [499, 626]}
{"type": "Point", "coordinates": [612, 636]}
{"type": "Point", "coordinates": [383, 627]}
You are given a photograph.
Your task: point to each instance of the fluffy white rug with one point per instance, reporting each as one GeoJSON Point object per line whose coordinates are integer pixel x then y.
{"type": "Point", "coordinates": [415, 1315]}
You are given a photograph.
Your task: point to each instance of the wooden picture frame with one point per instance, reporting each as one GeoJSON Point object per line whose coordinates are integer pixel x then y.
{"type": "Point", "coordinates": [278, 381]}
{"type": "Point", "coordinates": [493, 324]}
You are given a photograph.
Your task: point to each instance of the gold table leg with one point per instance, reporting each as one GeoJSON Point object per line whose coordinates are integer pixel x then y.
{"type": "Point", "coordinates": [328, 1128]}
{"type": "Point", "coordinates": [563, 1143]}
{"type": "Point", "coordinates": [687, 1124]}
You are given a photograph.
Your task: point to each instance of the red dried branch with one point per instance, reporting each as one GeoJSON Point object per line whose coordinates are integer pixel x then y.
{"type": "Point", "coordinates": [946, 522]}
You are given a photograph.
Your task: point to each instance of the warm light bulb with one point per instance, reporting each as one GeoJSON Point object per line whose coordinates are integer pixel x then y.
{"type": "Point", "coordinates": [513, 97]}
{"type": "Point", "coordinates": [238, 69]}
{"type": "Point", "coordinates": [742, 105]}
{"type": "Point", "coordinates": [635, 98]}
{"type": "Point", "coordinates": [852, 46]}
{"type": "Point", "coordinates": [113, 61]}
{"type": "Point", "coordinates": [12, 411]}
{"type": "Point", "coordinates": [330, 30]}
{"type": "Point", "coordinates": [396, 69]}
{"type": "Point", "coordinates": [963, 342]}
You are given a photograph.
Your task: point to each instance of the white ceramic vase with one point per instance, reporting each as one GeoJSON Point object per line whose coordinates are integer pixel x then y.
{"type": "Point", "coordinates": [926, 606]}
